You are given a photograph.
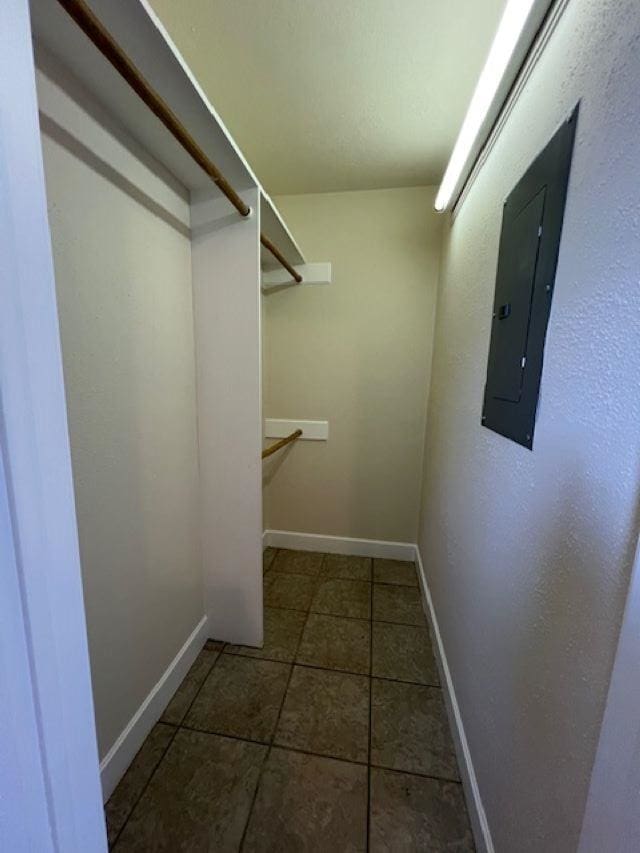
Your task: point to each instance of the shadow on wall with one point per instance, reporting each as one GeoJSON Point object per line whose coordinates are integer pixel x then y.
{"type": "Point", "coordinates": [82, 152]}
{"type": "Point", "coordinates": [53, 70]}
{"type": "Point", "coordinates": [125, 314]}
{"type": "Point", "coordinates": [272, 464]}
{"type": "Point", "coordinates": [278, 288]}
{"type": "Point", "coordinates": [554, 664]}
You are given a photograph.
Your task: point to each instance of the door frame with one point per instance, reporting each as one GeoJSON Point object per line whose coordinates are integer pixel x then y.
{"type": "Point", "coordinates": [50, 780]}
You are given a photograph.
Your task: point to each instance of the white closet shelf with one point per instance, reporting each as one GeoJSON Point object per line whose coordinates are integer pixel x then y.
{"type": "Point", "coordinates": [311, 430]}
{"type": "Point", "coordinates": [275, 228]}
{"type": "Point", "coordinates": [136, 28]}
{"type": "Point", "coordinates": [314, 273]}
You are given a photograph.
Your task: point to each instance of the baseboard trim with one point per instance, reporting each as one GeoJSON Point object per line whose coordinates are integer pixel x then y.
{"type": "Point", "coordinates": [123, 751]}
{"type": "Point", "coordinates": [338, 545]}
{"type": "Point", "coordinates": [477, 815]}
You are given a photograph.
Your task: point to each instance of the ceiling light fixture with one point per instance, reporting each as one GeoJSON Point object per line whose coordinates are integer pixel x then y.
{"type": "Point", "coordinates": [504, 44]}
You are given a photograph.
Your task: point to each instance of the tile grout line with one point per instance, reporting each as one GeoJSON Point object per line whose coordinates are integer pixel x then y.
{"type": "Point", "coordinates": [268, 749]}
{"type": "Point", "coordinates": [277, 722]}
{"type": "Point", "coordinates": [199, 690]}
{"type": "Point", "coordinates": [213, 733]}
{"type": "Point", "coordinates": [342, 671]}
{"type": "Point", "coordinates": [308, 752]}
{"type": "Point", "coordinates": [319, 576]}
{"type": "Point", "coordinates": [176, 727]}
{"type": "Point", "coordinates": [422, 624]}
{"type": "Point", "coordinates": [146, 784]}
{"type": "Point", "coordinates": [418, 774]}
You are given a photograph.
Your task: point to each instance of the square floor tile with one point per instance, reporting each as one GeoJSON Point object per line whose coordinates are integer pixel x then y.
{"type": "Point", "coordinates": [343, 598]}
{"type": "Point", "coordinates": [267, 558]}
{"type": "Point", "coordinates": [292, 591]}
{"type": "Point", "coordinates": [198, 799]}
{"type": "Point", "coordinates": [309, 803]}
{"type": "Point", "coordinates": [241, 697]}
{"type": "Point", "coordinates": [410, 730]}
{"type": "Point", "coordinates": [399, 572]}
{"type": "Point", "coordinates": [298, 562]}
{"type": "Point", "coordinates": [327, 713]}
{"type": "Point", "coordinates": [412, 813]}
{"type": "Point", "coordinates": [347, 568]}
{"type": "Point", "coordinates": [398, 604]}
{"type": "Point", "coordinates": [282, 629]}
{"type": "Point", "coordinates": [403, 652]}
{"type": "Point", "coordinates": [336, 643]}
{"type": "Point", "coordinates": [134, 781]}
{"type": "Point", "coordinates": [186, 693]}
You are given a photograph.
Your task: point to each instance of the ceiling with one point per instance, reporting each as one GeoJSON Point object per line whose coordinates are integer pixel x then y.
{"type": "Point", "coordinates": [328, 95]}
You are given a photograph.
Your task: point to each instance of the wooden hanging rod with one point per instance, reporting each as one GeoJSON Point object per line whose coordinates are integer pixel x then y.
{"type": "Point", "coordinates": [277, 254]}
{"type": "Point", "coordinates": [282, 443]}
{"type": "Point", "coordinates": [92, 27]}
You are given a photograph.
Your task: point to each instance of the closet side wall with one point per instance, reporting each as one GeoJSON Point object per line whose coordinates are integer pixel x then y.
{"type": "Point", "coordinates": [528, 554]}
{"type": "Point", "coordinates": [122, 255]}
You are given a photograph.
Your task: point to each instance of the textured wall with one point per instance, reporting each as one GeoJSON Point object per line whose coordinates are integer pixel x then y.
{"type": "Point", "coordinates": [528, 553]}
{"type": "Point", "coordinates": [357, 353]}
{"type": "Point", "coordinates": [123, 279]}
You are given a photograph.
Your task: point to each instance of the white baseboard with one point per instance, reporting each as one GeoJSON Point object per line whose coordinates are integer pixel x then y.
{"type": "Point", "coordinates": [123, 751]}
{"type": "Point", "coordinates": [338, 545]}
{"type": "Point", "coordinates": [479, 824]}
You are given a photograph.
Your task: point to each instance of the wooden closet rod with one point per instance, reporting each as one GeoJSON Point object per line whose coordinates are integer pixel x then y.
{"type": "Point", "coordinates": [282, 443]}
{"type": "Point", "coordinates": [277, 254]}
{"type": "Point", "coordinates": [92, 27]}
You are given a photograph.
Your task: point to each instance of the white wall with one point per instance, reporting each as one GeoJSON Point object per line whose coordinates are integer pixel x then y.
{"type": "Point", "coordinates": [612, 818]}
{"type": "Point", "coordinates": [123, 274]}
{"type": "Point", "coordinates": [528, 554]}
{"type": "Point", "coordinates": [355, 353]}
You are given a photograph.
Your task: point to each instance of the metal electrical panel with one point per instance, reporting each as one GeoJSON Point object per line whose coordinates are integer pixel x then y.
{"type": "Point", "coordinates": [527, 260]}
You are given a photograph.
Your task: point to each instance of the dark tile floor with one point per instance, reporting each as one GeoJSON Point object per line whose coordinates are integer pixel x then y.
{"type": "Point", "coordinates": [332, 737]}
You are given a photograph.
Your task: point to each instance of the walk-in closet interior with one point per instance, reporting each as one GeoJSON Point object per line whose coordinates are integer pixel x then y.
{"type": "Point", "coordinates": [318, 456]}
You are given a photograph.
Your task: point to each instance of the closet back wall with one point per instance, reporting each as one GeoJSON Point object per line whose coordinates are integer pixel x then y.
{"type": "Point", "coordinates": [357, 353]}
{"type": "Point", "coordinates": [123, 274]}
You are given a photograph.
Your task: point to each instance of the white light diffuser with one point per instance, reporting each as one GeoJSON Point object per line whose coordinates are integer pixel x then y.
{"type": "Point", "coordinates": [504, 43]}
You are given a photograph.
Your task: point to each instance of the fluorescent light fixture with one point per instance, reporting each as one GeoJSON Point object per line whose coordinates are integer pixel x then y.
{"type": "Point", "coordinates": [506, 38]}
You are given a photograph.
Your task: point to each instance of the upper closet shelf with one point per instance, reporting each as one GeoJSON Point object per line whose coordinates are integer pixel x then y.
{"type": "Point", "coordinates": [274, 226]}
{"type": "Point", "coordinates": [136, 29]}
